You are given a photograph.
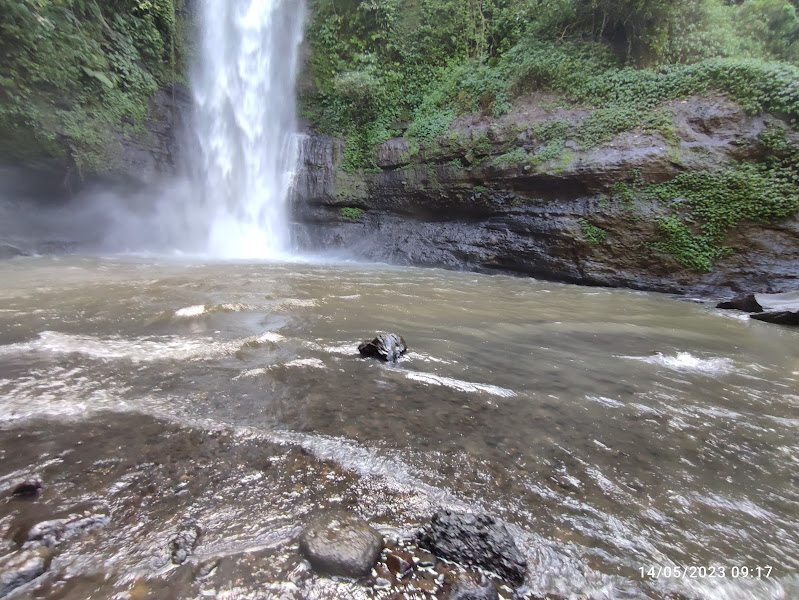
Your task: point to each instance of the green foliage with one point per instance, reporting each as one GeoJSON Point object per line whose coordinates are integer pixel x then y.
{"type": "Point", "coordinates": [514, 157]}
{"type": "Point", "coordinates": [76, 71]}
{"type": "Point", "coordinates": [591, 233]}
{"type": "Point", "coordinates": [552, 130]}
{"type": "Point", "coordinates": [352, 213]}
{"type": "Point", "coordinates": [424, 62]}
{"type": "Point", "coordinates": [707, 205]}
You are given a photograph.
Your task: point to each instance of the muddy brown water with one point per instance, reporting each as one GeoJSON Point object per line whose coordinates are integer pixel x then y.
{"type": "Point", "coordinates": [619, 434]}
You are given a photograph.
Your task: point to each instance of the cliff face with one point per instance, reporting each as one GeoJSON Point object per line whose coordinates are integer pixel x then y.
{"type": "Point", "coordinates": [464, 202]}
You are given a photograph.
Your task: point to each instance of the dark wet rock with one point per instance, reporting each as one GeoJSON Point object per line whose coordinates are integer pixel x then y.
{"type": "Point", "coordinates": [778, 317]}
{"type": "Point", "coordinates": [477, 540]}
{"type": "Point", "coordinates": [55, 532]}
{"type": "Point", "coordinates": [473, 587]}
{"type": "Point", "coordinates": [183, 544]}
{"type": "Point", "coordinates": [428, 209]}
{"type": "Point", "coordinates": [386, 346]}
{"type": "Point", "coordinates": [341, 544]}
{"type": "Point", "coordinates": [399, 563]}
{"type": "Point", "coordinates": [9, 251]}
{"type": "Point", "coordinates": [30, 488]}
{"type": "Point", "coordinates": [747, 303]}
{"type": "Point", "coordinates": [19, 569]}
{"type": "Point", "coordinates": [781, 309]}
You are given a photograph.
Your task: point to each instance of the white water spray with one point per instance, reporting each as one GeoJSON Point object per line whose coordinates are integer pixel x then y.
{"type": "Point", "coordinates": [245, 124]}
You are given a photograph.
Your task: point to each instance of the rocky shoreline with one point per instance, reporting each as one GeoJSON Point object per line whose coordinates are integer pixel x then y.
{"type": "Point", "coordinates": [193, 510]}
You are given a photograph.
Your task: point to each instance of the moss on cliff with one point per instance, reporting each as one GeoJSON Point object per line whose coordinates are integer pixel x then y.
{"type": "Point", "coordinates": [77, 73]}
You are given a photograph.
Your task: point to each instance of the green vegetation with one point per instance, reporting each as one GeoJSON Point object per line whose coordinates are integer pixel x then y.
{"type": "Point", "coordinates": [591, 233]}
{"type": "Point", "coordinates": [77, 72]}
{"type": "Point", "coordinates": [352, 213]}
{"type": "Point", "coordinates": [706, 205]}
{"type": "Point", "coordinates": [384, 68]}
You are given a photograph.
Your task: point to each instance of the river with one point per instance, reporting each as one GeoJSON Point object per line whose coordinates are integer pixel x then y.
{"type": "Point", "coordinates": [617, 433]}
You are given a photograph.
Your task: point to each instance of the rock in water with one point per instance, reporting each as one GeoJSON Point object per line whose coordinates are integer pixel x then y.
{"type": "Point", "coordinates": [341, 544]}
{"type": "Point", "coordinates": [745, 303]}
{"type": "Point", "coordinates": [29, 488]}
{"type": "Point", "coordinates": [183, 544]}
{"type": "Point", "coordinates": [20, 569]}
{"type": "Point", "coordinates": [778, 317]}
{"type": "Point", "coordinates": [387, 346]}
{"type": "Point", "coordinates": [53, 533]}
{"type": "Point", "coordinates": [468, 587]}
{"type": "Point", "coordinates": [782, 309]}
{"type": "Point", "coordinates": [474, 539]}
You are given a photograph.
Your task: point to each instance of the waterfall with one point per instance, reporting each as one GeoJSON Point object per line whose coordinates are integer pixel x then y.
{"type": "Point", "coordinates": [245, 125]}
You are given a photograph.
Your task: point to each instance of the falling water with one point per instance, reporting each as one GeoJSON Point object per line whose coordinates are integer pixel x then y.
{"type": "Point", "coordinates": [245, 124]}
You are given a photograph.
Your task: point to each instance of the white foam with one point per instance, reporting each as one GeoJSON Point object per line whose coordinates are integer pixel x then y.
{"type": "Point", "coordinates": [457, 384]}
{"type": "Point", "coordinates": [687, 362]}
{"type": "Point", "coordinates": [137, 350]}
{"type": "Point", "coordinates": [610, 402]}
{"type": "Point", "coordinates": [190, 311]}
{"type": "Point", "coordinates": [269, 336]}
{"type": "Point", "coordinates": [313, 363]}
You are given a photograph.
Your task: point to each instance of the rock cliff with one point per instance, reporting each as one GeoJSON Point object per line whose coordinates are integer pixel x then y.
{"type": "Point", "coordinates": [464, 201]}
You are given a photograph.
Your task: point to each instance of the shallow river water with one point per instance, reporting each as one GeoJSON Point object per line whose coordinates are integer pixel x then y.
{"type": "Point", "coordinates": [618, 434]}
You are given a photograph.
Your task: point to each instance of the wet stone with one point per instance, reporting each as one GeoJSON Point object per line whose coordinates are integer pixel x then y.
{"type": "Point", "coordinates": [341, 544]}
{"type": "Point", "coordinates": [386, 346]}
{"type": "Point", "coordinates": [30, 488]}
{"type": "Point", "coordinates": [747, 303]}
{"type": "Point", "coordinates": [473, 587]}
{"type": "Point", "coordinates": [183, 544]}
{"type": "Point", "coordinates": [399, 563]}
{"type": "Point", "coordinates": [53, 533]}
{"type": "Point", "coordinates": [20, 569]}
{"type": "Point", "coordinates": [477, 540]}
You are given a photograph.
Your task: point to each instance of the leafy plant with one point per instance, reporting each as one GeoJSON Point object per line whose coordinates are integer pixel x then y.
{"type": "Point", "coordinates": [352, 213]}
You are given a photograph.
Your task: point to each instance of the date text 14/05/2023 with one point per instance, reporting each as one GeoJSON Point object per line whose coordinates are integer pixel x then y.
{"type": "Point", "coordinates": [696, 572]}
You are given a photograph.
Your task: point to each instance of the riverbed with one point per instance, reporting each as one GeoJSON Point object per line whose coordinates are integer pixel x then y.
{"type": "Point", "coordinates": [619, 434]}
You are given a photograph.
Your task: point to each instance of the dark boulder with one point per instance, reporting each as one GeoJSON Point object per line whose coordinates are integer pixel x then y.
{"type": "Point", "coordinates": [341, 544]}
{"type": "Point", "coordinates": [778, 317]}
{"type": "Point", "coordinates": [477, 540]}
{"type": "Point", "coordinates": [17, 570]}
{"type": "Point", "coordinates": [473, 587]}
{"type": "Point", "coordinates": [781, 309]}
{"type": "Point", "coordinates": [745, 303]}
{"type": "Point", "coordinates": [30, 488]}
{"type": "Point", "coordinates": [386, 346]}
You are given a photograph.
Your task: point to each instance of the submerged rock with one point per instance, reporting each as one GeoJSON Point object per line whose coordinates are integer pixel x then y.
{"type": "Point", "coordinates": [473, 587]}
{"type": "Point", "coordinates": [18, 570]}
{"type": "Point", "coordinates": [478, 540]}
{"type": "Point", "coordinates": [53, 533]}
{"type": "Point", "coordinates": [341, 544]}
{"type": "Point", "coordinates": [386, 346]}
{"type": "Point", "coordinates": [183, 544]}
